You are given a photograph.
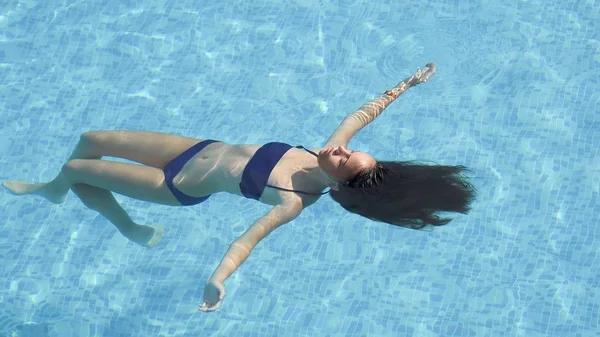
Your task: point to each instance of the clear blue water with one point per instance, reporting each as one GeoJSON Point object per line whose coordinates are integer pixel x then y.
{"type": "Point", "coordinates": [515, 98]}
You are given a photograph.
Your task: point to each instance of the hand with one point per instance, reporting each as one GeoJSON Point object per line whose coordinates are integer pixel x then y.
{"type": "Point", "coordinates": [213, 294]}
{"type": "Point", "coordinates": [423, 75]}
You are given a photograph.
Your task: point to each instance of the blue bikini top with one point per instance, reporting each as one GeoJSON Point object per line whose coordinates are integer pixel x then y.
{"type": "Point", "coordinates": [259, 168]}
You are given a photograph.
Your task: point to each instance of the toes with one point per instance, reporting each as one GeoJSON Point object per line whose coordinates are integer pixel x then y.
{"type": "Point", "coordinates": [156, 237]}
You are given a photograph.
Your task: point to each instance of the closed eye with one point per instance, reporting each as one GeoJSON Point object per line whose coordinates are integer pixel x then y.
{"type": "Point", "coordinates": [343, 162]}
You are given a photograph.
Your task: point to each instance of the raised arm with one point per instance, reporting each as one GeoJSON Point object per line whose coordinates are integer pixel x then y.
{"type": "Point", "coordinates": [240, 249]}
{"type": "Point", "coordinates": [369, 111]}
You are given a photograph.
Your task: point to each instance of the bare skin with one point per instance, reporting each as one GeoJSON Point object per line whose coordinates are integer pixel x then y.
{"type": "Point", "coordinates": [217, 168]}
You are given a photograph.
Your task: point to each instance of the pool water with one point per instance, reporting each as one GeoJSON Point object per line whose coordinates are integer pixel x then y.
{"type": "Point", "coordinates": [515, 98]}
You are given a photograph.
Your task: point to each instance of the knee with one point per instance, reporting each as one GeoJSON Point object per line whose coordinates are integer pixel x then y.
{"type": "Point", "coordinates": [90, 137]}
{"type": "Point", "coordinates": [73, 166]}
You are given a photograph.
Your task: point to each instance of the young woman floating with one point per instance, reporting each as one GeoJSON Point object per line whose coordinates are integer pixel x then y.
{"type": "Point", "coordinates": [180, 171]}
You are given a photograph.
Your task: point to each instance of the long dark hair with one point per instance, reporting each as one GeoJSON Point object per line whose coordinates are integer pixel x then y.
{"type": "Point", "coordinates": [407, 193]}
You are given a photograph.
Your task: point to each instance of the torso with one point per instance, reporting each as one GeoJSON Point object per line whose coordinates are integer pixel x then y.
{"type": "Point", "coordinates": [219, 168]}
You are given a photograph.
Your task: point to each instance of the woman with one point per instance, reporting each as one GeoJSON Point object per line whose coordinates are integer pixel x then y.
{"type": "Point", "coordinates": [184, 171]}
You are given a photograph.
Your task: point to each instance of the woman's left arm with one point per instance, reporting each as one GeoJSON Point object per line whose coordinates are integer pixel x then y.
{"type": "Point", "coordinates": [240, 249]}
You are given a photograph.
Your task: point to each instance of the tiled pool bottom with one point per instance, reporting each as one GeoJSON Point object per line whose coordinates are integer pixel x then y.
{"type": "Point", "coordinates": [514, 99]}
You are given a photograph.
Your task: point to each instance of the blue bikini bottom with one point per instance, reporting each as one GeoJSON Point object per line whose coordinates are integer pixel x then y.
{"type": "Point", "coordinates": [175, 165]}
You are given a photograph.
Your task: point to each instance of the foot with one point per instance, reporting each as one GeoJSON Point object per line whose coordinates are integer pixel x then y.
{"type": "Point", "coordinates": [147, 236]}
{"type": "Point", "coordinates": [44, 190]}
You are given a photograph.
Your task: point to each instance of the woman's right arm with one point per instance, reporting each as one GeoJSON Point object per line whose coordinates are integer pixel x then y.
{"type": "Point", "coordinates": [369, 111]}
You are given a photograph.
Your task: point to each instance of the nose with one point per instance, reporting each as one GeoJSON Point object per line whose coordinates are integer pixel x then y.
{"type": "Point", "coordinates": [344, 150]}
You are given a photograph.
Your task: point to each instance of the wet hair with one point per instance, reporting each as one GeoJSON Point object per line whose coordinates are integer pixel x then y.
{"type": "Point", "coordinates": [407, 193]}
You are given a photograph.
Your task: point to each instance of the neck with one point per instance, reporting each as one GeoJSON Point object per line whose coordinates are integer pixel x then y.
{"type": "Point", "coordinates": [321, 177]}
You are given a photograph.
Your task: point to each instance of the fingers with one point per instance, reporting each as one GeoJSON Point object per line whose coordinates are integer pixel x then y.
{"type": "Point", "coordinates": [205, 307]}
{"type": "Point", "coordinates": [426, 73]}
{"type": "Point", "coordinates": [215, 307]}
{"type": "Point", "coordinates": [214, 292]}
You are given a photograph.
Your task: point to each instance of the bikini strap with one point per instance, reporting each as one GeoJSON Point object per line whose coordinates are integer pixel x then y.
{"type": "Point", "coordinates": [307, 150]}
{"type": "Point", "coordinates": [296, 191]}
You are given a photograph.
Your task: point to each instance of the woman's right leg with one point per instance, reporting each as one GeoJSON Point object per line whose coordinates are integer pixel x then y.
{"type": "Point", "coordinates": [149, 148]}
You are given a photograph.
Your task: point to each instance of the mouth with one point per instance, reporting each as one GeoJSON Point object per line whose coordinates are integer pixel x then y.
{"type": "Point", "coordinates": [326, 151]}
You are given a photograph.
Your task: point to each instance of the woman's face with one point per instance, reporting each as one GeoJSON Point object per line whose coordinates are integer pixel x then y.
{"type": "Point", "coordinates": [342, 164]}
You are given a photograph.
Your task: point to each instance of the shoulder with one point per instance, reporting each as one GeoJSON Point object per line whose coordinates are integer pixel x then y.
{"type": "Point", "coordinates": [286, 211]}
{"type": "Point", "coordinates": [295, 203]}
{"type": "Point", "coordinates": [299, 202]}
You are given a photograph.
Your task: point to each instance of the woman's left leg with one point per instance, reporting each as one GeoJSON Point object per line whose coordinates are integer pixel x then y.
{"type": "Point", "coordinates": [103, 202]}
{"type": "Point", "coordinates": [92, 180]}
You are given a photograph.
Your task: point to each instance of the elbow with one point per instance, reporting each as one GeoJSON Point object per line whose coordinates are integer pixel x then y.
{"type": "Point", "coordinates": [242, 247]}
{"type": "Point", "coordinates": [359, 118]}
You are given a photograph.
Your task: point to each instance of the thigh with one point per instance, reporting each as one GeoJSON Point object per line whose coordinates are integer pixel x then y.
{"type": "Point", "coordinates": [149, 148]}
{"type": "Point", "coordinates": [132, 180]}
